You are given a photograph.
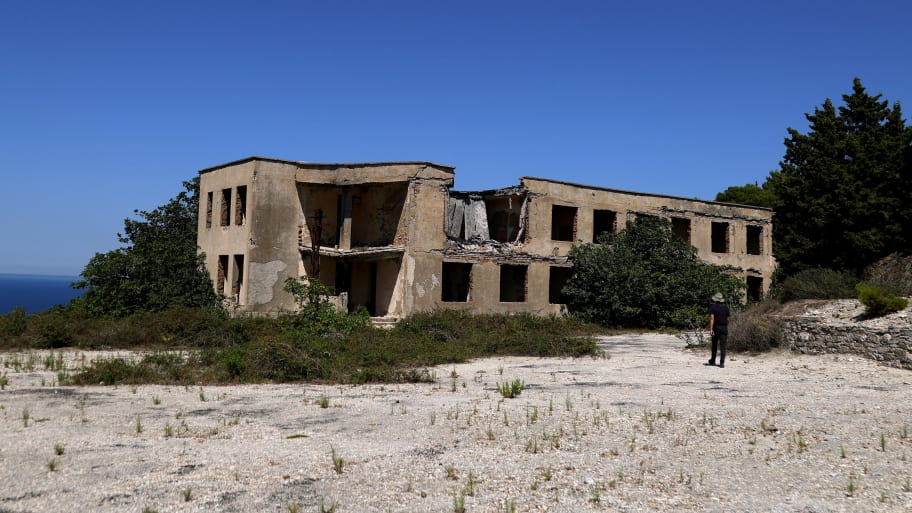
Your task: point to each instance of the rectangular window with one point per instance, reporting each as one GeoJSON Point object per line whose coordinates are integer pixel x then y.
{"type": "Point", "coordinates": [457, 282]}
{"type": "Point", "coordinates": [226, 201]}
{"type": "Point", "coordinates": [237, 279]}
{"type": "Point", "coordinates": [754, 289]}
{"type": "Point", "coordinates": [680, 227]}
{"type": "Point", "coordinates": [209, 210]}
{"type": "Point", "coordinates": [558, 277]}
{"type": "Point", "coordinates": [512, 283]}
{"type": "Point", "coordinates": [563, 223]}
{"type": "Point", "coordinates": [222, 275]}
{"type": "Point", "coordinates": [720, 238]}
{"type": "Point", "coordinates": [754, 234]}
{"type": "Point", "coordinates": [240, 205]}
{"type": "Point", "coordinates": [603, 221]}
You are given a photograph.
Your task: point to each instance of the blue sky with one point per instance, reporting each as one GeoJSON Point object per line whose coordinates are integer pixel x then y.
{"type": "Point", "coordinates": [106, 107]}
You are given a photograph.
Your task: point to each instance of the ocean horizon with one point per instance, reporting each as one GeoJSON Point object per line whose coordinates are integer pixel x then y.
{"type": "Point", "coordinates": [35, 292]}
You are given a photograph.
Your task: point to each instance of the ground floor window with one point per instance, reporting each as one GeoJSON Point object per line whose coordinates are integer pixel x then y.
{"type": "Point", "coordinates": [513, 283]}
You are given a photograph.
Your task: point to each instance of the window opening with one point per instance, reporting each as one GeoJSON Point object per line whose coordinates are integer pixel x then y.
{"type": "Point", "coordinates": [226, 201]}
{"type": "Point", "coordinates": [753, 239]}
{"type": "Point", "coordinates": [222, 275]}
{"type": "Point", "coordinates": [512, 283]}
{"type": "Point", "coordinates": [209, 210]}
{"type": "Point", "coordinates": [754, 289]}
{"type": "Point", "coordinates": [720, 237]}
{"type": "Point", "coordinates": [237, 279]}
{"type": "Point", "coordinates": [680, 227]}
{"type": "Point", "coordinates": [603, 221]}
{"type": "Point", "coordinates": [563, 223]}
{"type": "Point", "coordinates": [558, 277]}
{"type": "Point", "coordinates": [457, 282]}
{"type": "Point", "coordinates": [240, 205]}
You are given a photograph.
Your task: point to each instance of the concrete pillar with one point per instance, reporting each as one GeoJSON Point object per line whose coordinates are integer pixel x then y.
{"type": "Point", "coordinates": [345, 232]}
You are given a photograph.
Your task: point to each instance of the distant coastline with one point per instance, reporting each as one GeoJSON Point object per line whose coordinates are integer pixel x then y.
{"type": "Point", "coordinates": [35, 292]}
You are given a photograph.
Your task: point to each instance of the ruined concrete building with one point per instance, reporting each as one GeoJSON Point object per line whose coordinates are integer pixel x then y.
{"type": "Point", "coordinates": [395, 237]}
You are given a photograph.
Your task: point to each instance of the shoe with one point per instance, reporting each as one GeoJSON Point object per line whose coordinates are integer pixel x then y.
{"type": "Point", "coordinates": [721, 365]}
{"type": "Point", "coordinates": [710, 363]}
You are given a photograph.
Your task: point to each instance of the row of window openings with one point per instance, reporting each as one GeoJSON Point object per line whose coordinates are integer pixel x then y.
{"type": "Point", "coordinates": [514, 288]}
{"type": "Point", "coordinates": [514, 284]}
{"type": "Point", "coordinates": [225, 217]}
{"type": "Point", "coordinates": [236, 276]}
{"type": "Point", "coordinates": [563, 228]}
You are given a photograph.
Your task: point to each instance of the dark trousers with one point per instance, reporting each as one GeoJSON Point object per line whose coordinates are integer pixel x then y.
{"type": "Point", "coordinates": [719, 339]}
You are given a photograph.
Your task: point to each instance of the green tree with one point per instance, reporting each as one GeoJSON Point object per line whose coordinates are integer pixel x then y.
{"type": "Point", "coordinates": [644, 276]}
{"type": "Point", "coordinates": [158, 269]}
{"type": "Point", "coordinates": [844, 190]}
{"type": "Point", "coordinates": [748, 194]}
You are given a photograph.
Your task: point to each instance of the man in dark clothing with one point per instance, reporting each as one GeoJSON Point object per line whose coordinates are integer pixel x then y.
{"type": "Point", "coordinates": [718, 328]}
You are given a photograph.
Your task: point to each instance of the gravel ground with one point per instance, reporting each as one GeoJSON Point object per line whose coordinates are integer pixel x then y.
{"type": "Point", "coordinates": [648, 429]}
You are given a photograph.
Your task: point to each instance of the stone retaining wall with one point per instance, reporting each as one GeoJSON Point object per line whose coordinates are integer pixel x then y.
{"type": "Point", "coordinates": [890, 346]}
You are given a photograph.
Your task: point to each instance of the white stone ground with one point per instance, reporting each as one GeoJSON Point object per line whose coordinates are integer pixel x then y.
{"type": "Point", "coordinates": [648, 429]}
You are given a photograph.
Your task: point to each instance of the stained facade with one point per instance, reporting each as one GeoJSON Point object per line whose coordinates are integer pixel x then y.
{"type": "Point", "coordinates": [395, 238]}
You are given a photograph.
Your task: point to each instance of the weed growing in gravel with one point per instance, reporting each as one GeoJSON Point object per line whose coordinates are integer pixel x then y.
{"type": "Point", "coordinates": [597, 489]}
{"type": "Point", "coordinates": [25, 417]}
{"type": "Point", "coordinates": [903, 432]}
{"type": "Point", "coordinates": [59, 449]}
{"type": "Point", "coordinates": [156, 400]}
{"type": "Point", "coordinates": [202, 395]}
{"type": "Point", "coordinates": [433, 418]}
{"type": "Point", "coordinates": [511, 389]}
{"type": "Point", "coordinates": [139, 426]}
{"type": "Point", "coordinates": [148, 509]}
{"type": "Point", "coordinates": [470, 485]}
{"type": "Point", "coordinates": [883, 443]}
{"type": "Point", "coordinates": [568, 403]}
{"type": "Point", "coordinates": [338, 461]}
{"type": "Point", "coordinates": [188, 494]}
{"type": "Point", "coordinates": [509, 506]}
{"type": "Point", "coordinates": [324, 401]}
{"type": "Point", "coordinates": [842, 453]}
{"type": "Point", "coordinates": [52, 464]}
{"type": "Point", "coordinates": [169, 431]}
{"type": "Point", "coordinates": [490, 432]}
{"type": "Point", "coordinates": [459, 503]}
{"type": "Point", "coordinates": [450, 472]}
{"type": "Point", "coordinates": [851, 488]}
{"type": "Point", "coordinates": [4, 381]}
{"type": "Point", "coordinates": [293, 507]}
{"type": "Point", "coordinates": [907, 486]}
{"type": "Point", "coordinates": [328, 509]}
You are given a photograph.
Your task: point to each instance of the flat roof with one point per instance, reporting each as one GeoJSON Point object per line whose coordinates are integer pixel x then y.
{"type": "Point", "coordinates": [328, 164]}
{"type": "Point", "coordinates": [635, 193]}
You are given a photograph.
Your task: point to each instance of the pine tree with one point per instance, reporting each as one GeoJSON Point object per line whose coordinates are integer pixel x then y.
{"type": "Point", "coordinates": [843, 189]}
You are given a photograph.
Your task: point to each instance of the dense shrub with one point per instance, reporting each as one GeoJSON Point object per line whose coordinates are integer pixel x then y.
{"type": "Point", "coordinates": [877, 303]}
{"type": "Point", "coordinates": [644, 276]}
{"type": "Point", "coordinates": [818, 283]}
{"type": "Point", "coordinates": [756, 328]}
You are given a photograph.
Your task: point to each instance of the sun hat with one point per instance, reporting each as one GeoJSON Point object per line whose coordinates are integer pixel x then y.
{"type": "Point", "coordinates": [718, 298]}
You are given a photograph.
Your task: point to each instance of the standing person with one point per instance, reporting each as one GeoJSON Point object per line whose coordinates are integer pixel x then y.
{"type": "Point", "coordinates": [718, 328]}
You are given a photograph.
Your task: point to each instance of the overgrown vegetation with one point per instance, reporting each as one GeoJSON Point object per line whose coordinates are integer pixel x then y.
{"type": "Point", "coordinates": [754, 328]}
{"type": "Point", "coordinates": [644, 276]}
{"type": "Point", "coordinates": [191, 346]}
{"type": "Point", "coordinates": [877, 303]}
{"type": "Point", "coordinates": [157, 269]}
{"type": "Point", "coordinates": [816, 283]}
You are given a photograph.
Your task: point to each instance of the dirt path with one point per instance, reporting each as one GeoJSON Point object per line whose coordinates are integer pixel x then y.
{"type": "Point", "coordinates": [649, 428]}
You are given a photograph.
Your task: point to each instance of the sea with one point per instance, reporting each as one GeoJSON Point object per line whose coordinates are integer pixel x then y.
{"type": "Point", "coordinates": [36, 293]}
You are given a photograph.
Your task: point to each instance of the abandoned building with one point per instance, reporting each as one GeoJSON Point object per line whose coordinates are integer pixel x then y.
{"type": "Point", "coordinates": [395, 238]}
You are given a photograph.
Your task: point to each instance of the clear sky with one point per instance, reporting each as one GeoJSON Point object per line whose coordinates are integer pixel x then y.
{"type": "Point", "coordinates": [106, 107]}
